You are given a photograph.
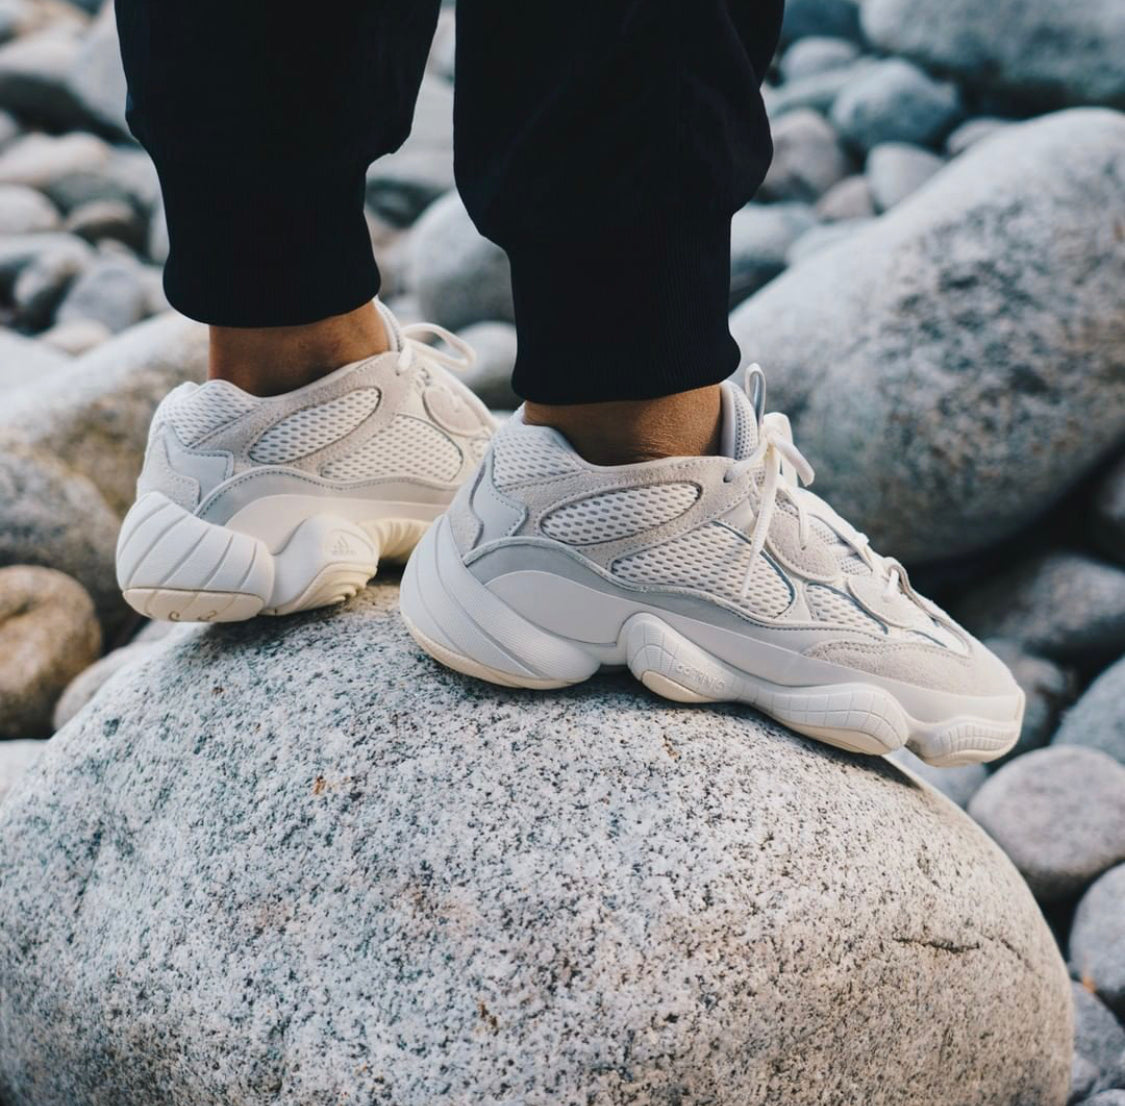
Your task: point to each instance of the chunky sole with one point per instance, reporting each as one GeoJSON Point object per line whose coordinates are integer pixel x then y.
{"type": "Point", "coordinates": [459, 622]}
{"type": "Point", "coordinates": [174, 566]}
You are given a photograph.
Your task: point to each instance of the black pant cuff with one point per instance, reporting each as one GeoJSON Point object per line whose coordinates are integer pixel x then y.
{"type": "Point", "coordinates": [257, 245]}
{"type": "Point", "coordinates": [618, 320]}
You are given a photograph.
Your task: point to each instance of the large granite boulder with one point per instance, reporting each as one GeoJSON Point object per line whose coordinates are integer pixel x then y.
{"type": "Point", "coordinates": [293, 861]}
{"type": "Point", "coordinates": [1037, 51]}
{"type": "Point", "coordinates": [953, 369]}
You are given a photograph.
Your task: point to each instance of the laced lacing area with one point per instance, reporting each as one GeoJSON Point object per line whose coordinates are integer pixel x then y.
{"type": "Point", "coordinates": [776, 447]}
{"type": "Point", "coordinates": [416, 352]}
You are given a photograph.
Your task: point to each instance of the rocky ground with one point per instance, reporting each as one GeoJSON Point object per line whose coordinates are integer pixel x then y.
{"type": "Point", "coordinates": [933, 276]}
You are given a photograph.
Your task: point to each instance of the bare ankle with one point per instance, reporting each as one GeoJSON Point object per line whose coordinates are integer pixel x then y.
{"type": "Point", "coordinates": [267, 361]}
{"type": "Point", "coordinates": [623, 432]}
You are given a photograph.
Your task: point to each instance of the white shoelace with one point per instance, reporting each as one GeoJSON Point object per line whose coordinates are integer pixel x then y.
{"type": "Point", "coordinates": [775, 447]}
{"type": "Point", "coordinates": [415, 350]}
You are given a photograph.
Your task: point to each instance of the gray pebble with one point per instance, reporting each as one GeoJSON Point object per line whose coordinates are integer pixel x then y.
{"type": "Point", "coordinates": [761, 235]}
{"type": "Point", "coordinates": [895, 101]}
{"type": "Point", "coordinates": [1059, 814]}
{"type": "Point", "coordinates": [35, 73]}
{"type": "Point", "coordinates": [1099, 1040]}
{"type": "Point", "coordinates": [1066, 606]}
{"type": "Point", "coordinates": [896, 170]}
{"type": "Point", "coordinates": [43, 282]}
{"type": "Point", "coordinates": [491, 377]}
{"type": "Point", "coordinates": [24, 210]}
{"type": "Point", "coordinates": [98, 220]}
{"type": "Point", "coordinates": [1097, 939]}
{"type": "Point", "coordinates": [459, 276]}
{"type": "Point", "coordinates": [97, 78]}
{"type": "Point", "coordinates": [850, 199]}
{"type": "Point", "coordinates": [818, 91]}
{"type": "Point", "coordinates": [957, 784]}
{"type": "Point", "coordinates": [1047, 687]}
{"type": "Point", "coordinates": [807, 158]}
{"type": "Point", "coordinates": [973, 131]}
{"type": "Point", "coordinates": [112, 291]}
{"type": "Point", "coordinates": [39, 159]}
{"type": "Point", "coordinates": [1097, 720]}
{"type": "Point", "coordinates": [816, 54]}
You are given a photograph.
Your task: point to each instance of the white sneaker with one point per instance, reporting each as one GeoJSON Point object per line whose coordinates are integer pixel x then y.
{"type": "Point", "coordinates": [252, 506]}
{"type": "Point", "coordinates": [713, 579]}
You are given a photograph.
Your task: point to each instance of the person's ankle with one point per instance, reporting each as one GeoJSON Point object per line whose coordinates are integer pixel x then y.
{"type": "Point", "coordinates": [269, 361]}
{"type": "Point", "coordinates": [623, 432]}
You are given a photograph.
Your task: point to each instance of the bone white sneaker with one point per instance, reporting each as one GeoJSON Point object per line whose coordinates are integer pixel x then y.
{"type": "Point", "coordinates": [713, 579]}
{"type": "Point", "coordinates": [252, 506]}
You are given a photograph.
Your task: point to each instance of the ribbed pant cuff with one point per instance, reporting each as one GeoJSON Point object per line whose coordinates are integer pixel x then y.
{"type": "Point", "coordinates": [266, 245]}
{"type": "Point", "coordinates": [623, 320]}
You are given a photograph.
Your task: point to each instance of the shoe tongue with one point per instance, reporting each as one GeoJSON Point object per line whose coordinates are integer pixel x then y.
{"type": "Point", "coordinates": [740, 423]}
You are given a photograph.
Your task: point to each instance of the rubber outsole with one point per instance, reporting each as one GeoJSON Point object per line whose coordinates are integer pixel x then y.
{"type": "Point", "coordinates": [466, 627]}
{"type": "Point", "coordinates": [174, 566]}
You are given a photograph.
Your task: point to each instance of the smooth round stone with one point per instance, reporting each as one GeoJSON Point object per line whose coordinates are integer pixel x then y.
{"type": "Point", "coordinates": [896, 170]}
{"type": "Point", "coordinates": [818, 91]}
{"type": "Point", "coordinates": [1047, 687]}
{"type": "Point", "coordinates": [807, 158]}
{"type": "Point", "coordinates": [761, 236]}
{"type": "Point", "coordinates": [895, 101]}
{"type": "Point", "coordinates": [1097, 939]}
{"type": "Point", "coordinates": [1099, 1042]}
{"type": "Point", "coordinates": [1059, 814]}
{"type": "Point", "coordinates": [491, 377]}
{"type": "Point", "coordinates": [816, 54]}
{"type": "Point", "coordinates": [957, 784]}
{"type": "Point", "coordinates": [113, 291]}
{"type": "Point", "coordinates": [43, 282]}
{"type": "Point", "coordinates": [23, 210]}
{"type": "Point", "coordinates": [1097, 720]}
{"type": "Point", "coordinates": [849, 199]}
{"type": "Point", "coordinates": [98, 220]}
{"type": "Point", "coordinates": [458, 275]}
{"type": "Point", "coordinates": [1106, 1098]}
{"type": "Point", "coordinates": [48, 634]}
{"type": "Point", "coordinates": [1066, 606]}
{"type": "Point", "coordinates": [972, 131]}
{"type": "Point", "coordinates": [35, 79]}
{"type": "Point", "coordinates": [38, 159]}
{"type": "Point", "coordinates": [434, 890]}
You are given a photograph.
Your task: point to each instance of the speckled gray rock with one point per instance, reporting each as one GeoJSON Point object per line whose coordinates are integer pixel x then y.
{"type": "Point", "coordinates": [818, 91]}
{"type": "Point", "coordinates": [53, 516]}
{"type": "Point", "coordinates": [1063, 605]}
{"type": "Point", "coordinates": [434, 890]}
{"type": "Point", "coordinates": [76, 337]}
{"type": "Point", "coordinates": [1108, 528]}
{"type": "Point", "coordinates": [491, 377]}
{"type": "Point", "coordinates": [895, 101]}
{"type": "Point", "coordinates": [1097, 720]}
{"type": "Point", "coordinates": [91, 680]}
{"type": "Point", "coordinates": [97, 78]}
{"type": "Point", "coordinates": [838, 18]}
{"type": "Point", "coordinates": [821, 237]}
{"type": "Point", "coordinates": [760, 238]}
{"type": "Point", "coordinates": [850, 199]}
{"type": "Point", "coordinates": [807, 158]}
{"type": "Point", "coordinates": [1097, 939]}
{"type": "Point", "coordinates": [897, 169]}
{"type": "Point", "coordinates": [111, 291]}
{"type": "Point", "coordinates": [1059, 813]}
{"type": "Point", "coordinates": [403, 184]}
{"type": "Point", "coordinates": [1041, 51]}
{"type": "Point", "coordinates": [459, 276]}
{"type": "Point", "coordinates": [16, 757]}
{"type": "Point", "coordinates": [94, 416]}
{"type": "Point", "coordinates": [48, 634]}
{"type": "Point", "coordinates": [816, 54]}
{"type": "Point", "coordinates": [23, 360]}
{"type": "Point", "coordinates": [23, 210]}
{"type": "Point", "coordinates": [1098, 1039]}
{"type": "Point", "coordinates": [957, 784]}
{"type": "Point", "coordinates": [973, 131]}
{"type": "Point", "coordinates": [1047, 688]}
{"type": "Point", "coordinates": [955, 368]}
{"type": "Point", "coordinates": [37, 159]}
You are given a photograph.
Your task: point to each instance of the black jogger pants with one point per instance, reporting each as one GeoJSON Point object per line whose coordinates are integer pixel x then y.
{"type": "Point", "coordinates": [604, 144]}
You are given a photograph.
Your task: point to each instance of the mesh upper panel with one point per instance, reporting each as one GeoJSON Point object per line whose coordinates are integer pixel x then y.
{"type": "Point", "coordinates": [206, 409]}
{"type": "Point", "coordinates": [522, 458]}
{"type": "Point", "coordinates": [713, 559]}
{"type": "Point", "coordinates": [314, 428]}
{"type": "Point", "coordinates": [832, 606]}
{"type": "Point", "coordinates": [408, 447]}
{"type": "Point", "coordinates": [619, 514]}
